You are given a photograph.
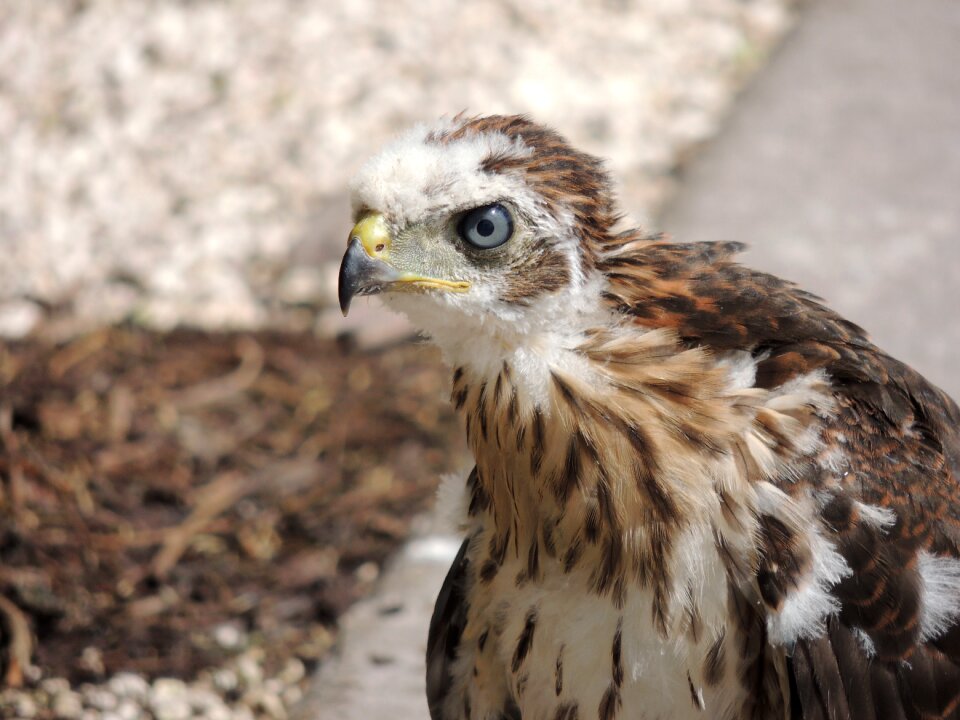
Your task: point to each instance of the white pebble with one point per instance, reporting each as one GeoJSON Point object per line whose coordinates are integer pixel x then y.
{"type": "Point", "coordinates": [292, 695]}
{"type": "Point", "coordinates": [229, 637]}
{"type": "Point", "coordinates": [91, 659]}
{"type": "Point", "coordinates": [55, 686]}
{"type": "Point", "coordinates": [129, 685]}
{"type": "Point", "coordinates": [168, 699]}
{"type": "Point", "coordinates": [242, 712]}
{"type": "Point", "coordinates": [18, 318]}
{"type": "Point", "coordinates": [367, 572]}
{"type": "Point", "coordinates": [166, 689]}
{"type": "Point", "coordinates": [129, 710]}
{"type": "Point", "coordinates": [67, 705]}
{"type": "Point", "coordinates": [225, 680]}
{"type": "Point", "coordinates": [266, 702]}
{"type": "Point", "coordinates": [172, 709]}
{"type": "Point", "coordinates": [25, 707]}
{"type": "Point", "coordinates": [99, 698]}
{"type": "Point", "coordinates": [249, 670]}
{"type": "Point", "coordinates": [293, 672]}
{"type": "Point", "coordinates": [202, 700]}
{"type": "Point", "coordinates": [221, 712]}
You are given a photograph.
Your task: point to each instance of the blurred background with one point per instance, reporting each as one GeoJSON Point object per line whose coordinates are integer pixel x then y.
{"type": "Point", "coordinates": [202, 465]}
{"type": "Point", "coordinates": [185, 162]}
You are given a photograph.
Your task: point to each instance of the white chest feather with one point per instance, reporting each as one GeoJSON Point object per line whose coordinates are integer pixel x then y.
{"type": "Point", "coordinates": [564, 646]}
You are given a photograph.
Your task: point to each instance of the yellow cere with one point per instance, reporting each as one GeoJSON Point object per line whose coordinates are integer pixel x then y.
{"type": "Point", "coordinates": [373, 234]}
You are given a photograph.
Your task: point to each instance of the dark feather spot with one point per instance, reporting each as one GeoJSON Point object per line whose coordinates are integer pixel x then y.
{"type": "Point", "coordinates": [572, 556]}
{"type": "Point", "coordinates": [713, 663]}
{"type": "Point", "coordinates": [479, 499]}
{"type": "Point", "coordinates": [521, 436]}
{"type": "Point", "coordinates": [533, 560]}
{"type": "Point", "coordinates": [567, 711]}
{"type": "Point", "coordinates": [617, 654]}
{"type": "Point", "coordinates": [512, 410]}
{"type": "Point", "coordinates": [510, 711]}
{"type": "Point", "coordinates": [619, 592]}
{"type": "Point", "coordinates": [606, 504]}
{"type": "Point", "coordinates": [591, 523]}
{"type": "Point", "coordinates": [481, 410]}
{"type": "Point", "coordinates": [536, 452]}
{"type": "Point", "coordinates": [609, 703]}
{"type": "Point", "coordinates": [566, 392]}
{"type": "Point", "coordinates": [694, 695]}
{"type": "Point", "coordinates": [549, 542]}
{"type": "Point", "coordinates": [609, 569]}
{"type": "Point", "coordinates": [558, 672]}
{"type": "Point", "coordinates": [525, 641]}
{"type": "Point", "coordinates": [568, 476]}
{"type": "Point", "coordinates": [488, 571]}
{"type": "Point", "coordinates": [522, 684]}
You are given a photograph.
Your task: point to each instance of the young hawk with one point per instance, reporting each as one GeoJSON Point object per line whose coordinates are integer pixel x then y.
{"type": "Point", "coordinates": [698, 492]}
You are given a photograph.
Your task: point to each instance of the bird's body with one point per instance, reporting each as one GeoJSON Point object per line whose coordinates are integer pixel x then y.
{"type": "Point", "coordinates": [698, 492]}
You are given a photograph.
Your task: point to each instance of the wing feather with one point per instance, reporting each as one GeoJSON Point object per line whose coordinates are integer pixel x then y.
{"type": "Point", "coordinates": [882, 657]}
{"type": "Point", "coordinates": [446, 628]}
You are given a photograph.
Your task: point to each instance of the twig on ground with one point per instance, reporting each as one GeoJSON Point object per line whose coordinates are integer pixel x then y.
{"type": "Point", "coordinates": [211, 391]}
{"type": "Point", "coordinates": [221, 493]}
{"type": "Point", "coordinates": [21, 644]}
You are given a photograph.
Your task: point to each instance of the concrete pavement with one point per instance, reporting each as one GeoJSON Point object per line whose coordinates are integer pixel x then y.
{"type": "Point", "coordinates": [378, 671]}
{"type": "Point", "coordinates": [840, 167]}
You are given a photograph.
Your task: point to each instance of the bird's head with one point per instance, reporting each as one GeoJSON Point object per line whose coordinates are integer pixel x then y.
{"type": "Point", "coordinates": [478, 226]}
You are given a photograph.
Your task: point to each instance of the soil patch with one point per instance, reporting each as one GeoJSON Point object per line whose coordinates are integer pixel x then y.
{"type": "Point", "coordinates": [155, 489]}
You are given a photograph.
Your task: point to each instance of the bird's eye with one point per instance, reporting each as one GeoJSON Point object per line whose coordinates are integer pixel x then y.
{"type": "Point", "coordinates": [486, 227]}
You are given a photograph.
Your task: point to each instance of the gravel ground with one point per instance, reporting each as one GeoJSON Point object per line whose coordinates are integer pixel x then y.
{"type": "Point", "coordinates": [184, 162]}
{"type": "Point", "coordinates": [238, 691]}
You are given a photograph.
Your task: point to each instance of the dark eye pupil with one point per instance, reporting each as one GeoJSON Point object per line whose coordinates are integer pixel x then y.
{"type": "Point", "coordinates": [485, 227]}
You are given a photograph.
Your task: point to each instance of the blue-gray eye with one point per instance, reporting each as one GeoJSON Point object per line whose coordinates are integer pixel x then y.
{"type": "Point", "coordinates": [486, 227]}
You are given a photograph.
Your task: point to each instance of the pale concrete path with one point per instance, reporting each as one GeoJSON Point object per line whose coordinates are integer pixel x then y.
{"type": "Point", "coordinates": [379, 670]}
{"type": "Point", "coordinates": [841, 167]}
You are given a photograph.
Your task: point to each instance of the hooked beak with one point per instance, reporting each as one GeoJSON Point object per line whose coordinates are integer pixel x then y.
{"type": "Point", "coordinates": [366, 268]}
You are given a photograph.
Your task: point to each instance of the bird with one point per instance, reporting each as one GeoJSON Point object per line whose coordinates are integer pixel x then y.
{"type": "Point", "coordinates": [697, 491]}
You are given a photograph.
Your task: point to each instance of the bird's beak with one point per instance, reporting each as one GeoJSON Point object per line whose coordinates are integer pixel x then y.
{"type": "Point", "coordinates": [367, 267]}
{"type": "Point", "coordinates": [364, 269]}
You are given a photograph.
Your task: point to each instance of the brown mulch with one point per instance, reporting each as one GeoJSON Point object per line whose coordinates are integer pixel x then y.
{"type": "Point", "coordinates": [154, 487]}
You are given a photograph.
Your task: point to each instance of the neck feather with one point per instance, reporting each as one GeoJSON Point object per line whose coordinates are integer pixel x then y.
{"type": "Point", "coordinates": [603, 452]}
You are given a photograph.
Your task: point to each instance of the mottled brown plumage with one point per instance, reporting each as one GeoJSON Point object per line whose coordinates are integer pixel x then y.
{"type": "Point", "coordinates": [698, 491]}
{"type": "Point", "coordinates": [903, 443]}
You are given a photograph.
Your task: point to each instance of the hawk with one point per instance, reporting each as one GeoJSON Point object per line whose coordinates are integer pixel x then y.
{"type": "Point", "coordinates": [698, 492]}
